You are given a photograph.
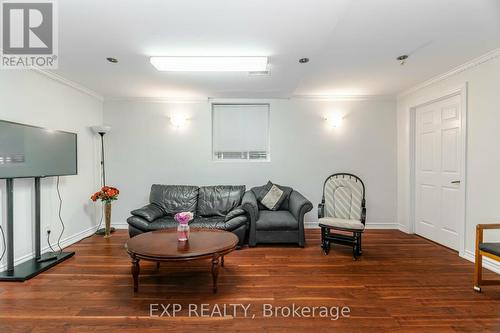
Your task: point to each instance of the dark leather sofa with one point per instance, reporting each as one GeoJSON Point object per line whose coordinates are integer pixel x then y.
{"type": "Point", "coordinates": [216, 207]}
{"type": "Point", "coordinates": [285, 225]}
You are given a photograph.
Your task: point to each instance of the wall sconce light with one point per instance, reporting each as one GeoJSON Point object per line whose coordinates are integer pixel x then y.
{"type": "Point", "coordinates": [179, 121]}
{"type": "Point", "coordinates": [334, 121]}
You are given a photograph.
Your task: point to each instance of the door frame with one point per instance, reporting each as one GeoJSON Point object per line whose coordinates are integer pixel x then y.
{"type": "Point", "coordinates": [429, 99]}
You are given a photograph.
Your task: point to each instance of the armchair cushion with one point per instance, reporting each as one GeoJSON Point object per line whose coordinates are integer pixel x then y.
{"type": "Point", "coordinates": [273, 198]}
{"type": "Point", "coordinates": [149, 212]}
{"type": "Point", "coordinates": [219, 200]}
{"type": "Point", "coordinates": [276, 220]}
{"type": "Point", "coordinates": [261, 191]}
{"type": "Point", "coordinates": [341, 223]}
{"type": "Point", "coordinates": [493, 248]}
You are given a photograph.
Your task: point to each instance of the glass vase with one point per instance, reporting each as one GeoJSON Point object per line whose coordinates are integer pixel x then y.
{"type": "Point", "coordinates": [183, 232]}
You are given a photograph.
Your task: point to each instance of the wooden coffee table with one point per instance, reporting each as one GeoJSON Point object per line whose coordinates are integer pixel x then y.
{"type": "Point", "coordinates": [162, 246]}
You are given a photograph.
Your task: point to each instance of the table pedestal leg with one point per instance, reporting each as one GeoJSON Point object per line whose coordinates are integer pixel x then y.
{"type": "Point", "coordinates": [222, 261]}
{"type": "Point", "coordinates": [215, 271]}
{"type": "Point", "coordinates": [135, 273]}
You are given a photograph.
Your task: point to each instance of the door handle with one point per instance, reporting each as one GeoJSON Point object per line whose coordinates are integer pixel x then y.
{"type": "Point", "coordinates": [456, 182]}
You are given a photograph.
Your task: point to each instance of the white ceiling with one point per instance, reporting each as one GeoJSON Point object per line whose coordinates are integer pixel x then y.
{"type": "Point", "coordinates": [352, 44]}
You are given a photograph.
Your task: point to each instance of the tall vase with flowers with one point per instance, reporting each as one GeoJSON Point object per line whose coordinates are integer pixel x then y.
{"type": "Point", "coordinates": [183, 219]}
{"type": "Point", "coordinates": [106, 195]}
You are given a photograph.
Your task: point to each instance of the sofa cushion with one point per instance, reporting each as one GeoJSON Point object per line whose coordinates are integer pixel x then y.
{"type": "Point", "coordinates": [341, 223]}
{"type": "Point", "coordinates": [209, 222]}
{"type": "Point", "coordinates": [219, 200]}
{"type": "Point", "coordinates": [174, 198]}
{"type": "Point", "coordinates": [493, 248]}
{"type": "Point", "coordinates": [162, 223]}
{"type": "Point", "coordinates": [218, 222]}
{"type": "Point", "coordinates": [276, 220]}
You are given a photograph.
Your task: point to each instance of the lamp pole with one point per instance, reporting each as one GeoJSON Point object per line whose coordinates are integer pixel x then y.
{"type": "Point", "coordinates": [102, 159]}
{"type": "Point", "coordinates": [101, 130]}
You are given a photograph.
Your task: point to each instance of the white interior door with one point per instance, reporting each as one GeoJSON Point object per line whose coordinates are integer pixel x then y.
{"type": "Point", "coordinates": [439, 183]}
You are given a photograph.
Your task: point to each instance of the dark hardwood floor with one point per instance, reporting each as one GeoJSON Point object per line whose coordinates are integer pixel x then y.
{"type": "Point", "coordinates": [402, 283]}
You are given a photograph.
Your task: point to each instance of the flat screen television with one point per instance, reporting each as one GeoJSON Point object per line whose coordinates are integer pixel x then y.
{"type": "Point", "coordinates": [28, 151]}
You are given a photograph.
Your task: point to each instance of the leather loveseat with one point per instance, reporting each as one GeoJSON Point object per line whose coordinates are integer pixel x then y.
{"type": "Point", "coordinates": [214, 207]}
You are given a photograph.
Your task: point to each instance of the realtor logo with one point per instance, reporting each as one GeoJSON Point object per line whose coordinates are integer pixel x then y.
{"type": "Point", "coordinates": [29, 34]}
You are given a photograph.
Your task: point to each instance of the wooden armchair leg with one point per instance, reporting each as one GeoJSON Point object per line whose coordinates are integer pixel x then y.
{"type": "Point", "coordinates": [360, 251]}
{"type": "Point", "coordinates": [325, 243]}
{"type": "Point", "coordinates": [478, 266]}
{"type": "Point", "coordinates": [478, 272]}
{"type": "Point", "coordinates": [355, 247]}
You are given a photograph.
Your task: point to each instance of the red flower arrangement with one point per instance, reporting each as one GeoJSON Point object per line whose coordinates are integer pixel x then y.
{"type": "Point", "coordinates": [106, 194]}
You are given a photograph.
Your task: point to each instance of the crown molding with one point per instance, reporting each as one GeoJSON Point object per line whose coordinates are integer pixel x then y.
{"type": "Point", "coordinates": [317, 98]}
{"type": "Point", "coordinates": [165, 100]}
{"type": "Point", "coordinates": [68, 83]}
{"type": "Point", "coordinates": [468, 65]}
{"type": "Point", "coordinates": [347, 98]}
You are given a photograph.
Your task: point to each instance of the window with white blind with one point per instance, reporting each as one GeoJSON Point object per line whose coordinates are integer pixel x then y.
{"type": "Point", "coordinates": [240, 132]}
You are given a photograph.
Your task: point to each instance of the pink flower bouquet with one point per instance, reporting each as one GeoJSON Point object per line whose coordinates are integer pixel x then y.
{"type": "Point", "coordinates": [183, 217]}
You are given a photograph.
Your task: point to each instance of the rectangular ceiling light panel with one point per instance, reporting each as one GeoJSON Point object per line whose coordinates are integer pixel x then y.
{"type": "Point", "coordinates": [209, 64]}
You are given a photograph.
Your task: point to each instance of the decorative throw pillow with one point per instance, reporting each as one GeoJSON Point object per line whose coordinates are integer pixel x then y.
{"type": "Point", "coordinates": [273, 198]}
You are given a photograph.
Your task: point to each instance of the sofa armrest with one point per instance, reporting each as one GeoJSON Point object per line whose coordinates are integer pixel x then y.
{"type": "Point", "coordinates": [249, 204]}
{"type": "Point", "coordinates": [299, 205]}
{"type": "Point", "coordinates": [138, 222]}
{"type": "Point", "coordinates": [235, 213]}
{"type": "Point", "coordinates": [149, 212]}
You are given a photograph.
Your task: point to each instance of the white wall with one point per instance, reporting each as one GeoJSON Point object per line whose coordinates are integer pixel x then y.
{"type": "Point", "coordinates": [483, 146]}
{"type": "Point", "coordinates": [31, 98]}
{"type": "Point", "coordinates": [143, 149]}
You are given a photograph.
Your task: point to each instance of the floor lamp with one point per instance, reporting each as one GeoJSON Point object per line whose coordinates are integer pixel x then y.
{"type": "Point", "coordinates": [102, 130]}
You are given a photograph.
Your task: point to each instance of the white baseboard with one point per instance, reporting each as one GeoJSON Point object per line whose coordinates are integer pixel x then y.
{"type": "Point", "coordinates": [492, 265]}
{"type": "Point", "coordinates": [314, 225]}
{"type": "Point", "coordinates": [65, 242]}
{"type": "Point", "coordinates": [120, 225]}
{"type": "Point", "coordinates": [403, 228]}
{"type": "Point", "coordinates": [311, 225]}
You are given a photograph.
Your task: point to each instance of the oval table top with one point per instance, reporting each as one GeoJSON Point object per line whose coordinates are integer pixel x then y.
{"type": "Point", "coordinates": [163, 244]}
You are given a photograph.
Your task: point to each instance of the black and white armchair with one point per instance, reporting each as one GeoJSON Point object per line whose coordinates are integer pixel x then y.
{"type": "Point", "coordinates": [342, 208]}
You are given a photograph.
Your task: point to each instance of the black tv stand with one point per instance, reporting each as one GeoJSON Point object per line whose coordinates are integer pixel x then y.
{"type": "Point", "coordinates": [40, 263]}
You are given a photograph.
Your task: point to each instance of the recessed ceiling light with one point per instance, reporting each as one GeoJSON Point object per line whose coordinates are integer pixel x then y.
{"type": "Point", "coordinates": [303, 60]}
{"type": "Point", "coordinates": [209, 64]}
{"type": "Point", "coordinates": [112, 60]}
{"type": "Point", "coordinates": [402, 59]}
